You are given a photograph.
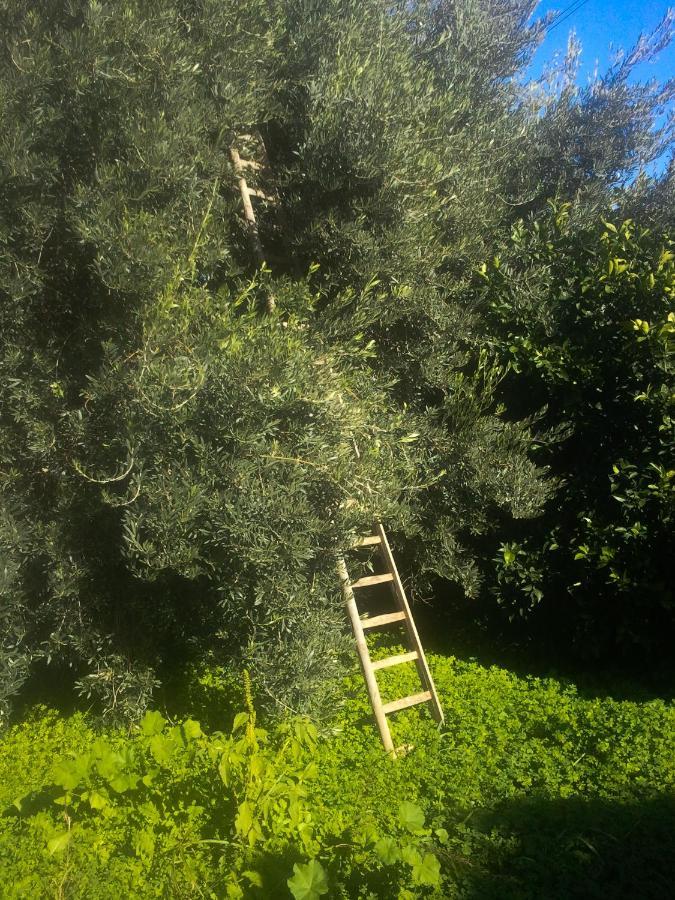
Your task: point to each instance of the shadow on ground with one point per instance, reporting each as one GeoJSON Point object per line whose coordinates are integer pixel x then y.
{"type": "Point", "coordinates": [568, 849]}
{"type": "Point", "coordinates": [454, 626]}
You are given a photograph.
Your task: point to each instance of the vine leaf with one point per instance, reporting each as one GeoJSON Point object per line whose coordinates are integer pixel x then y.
{"type": "Point", "coordinates": [411, 816]}
{"type": "Point", "coordinates": [58, 843]}
{"type": "Point", "coordinates": [428, 871]}
{"type": "Point", "coordinates": [309, 881]}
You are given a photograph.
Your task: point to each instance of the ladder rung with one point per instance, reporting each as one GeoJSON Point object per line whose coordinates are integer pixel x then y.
{"type": "Point", "coordinates": [395, 660]}
{"type": "Point", "coordinates": [254, 192]}
{"type": "Point", "coordinates": [376, 621]}
{"type": "Point", "coordinates": [367, 541]}
{"type": "Point", "coordinates": [404, 702]}
{"type": "Point", "coordinates": [373, 579]}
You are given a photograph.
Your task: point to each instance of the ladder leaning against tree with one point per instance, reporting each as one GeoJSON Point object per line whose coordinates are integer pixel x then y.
{"type": "Point", "coordinates": [378, 539]}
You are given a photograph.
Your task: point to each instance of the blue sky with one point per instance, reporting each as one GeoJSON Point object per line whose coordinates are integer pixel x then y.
{"type": "Point", "coordinates": [603, 26]}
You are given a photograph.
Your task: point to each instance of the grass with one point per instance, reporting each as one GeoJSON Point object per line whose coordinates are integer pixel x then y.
{"type": "Point", "coordinates": [544, 793]}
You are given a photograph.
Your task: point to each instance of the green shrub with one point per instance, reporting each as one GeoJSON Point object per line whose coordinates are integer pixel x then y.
{"type": "Point", "coordinates": [169, 809]}
{"type": "Point", "coordinates": [585, 324]}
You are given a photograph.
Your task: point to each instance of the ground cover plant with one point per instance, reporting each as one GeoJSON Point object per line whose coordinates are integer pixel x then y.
{"type": "Point", "coordinates": [529, 790]}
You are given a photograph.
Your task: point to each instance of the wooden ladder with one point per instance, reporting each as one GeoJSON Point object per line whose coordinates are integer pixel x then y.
{"type": "Point", "coordinates": [249, 170]}
{"type": "Point", "coordinates": [257, 170]}
{"type": "Point", "coordinates": [403, 615]}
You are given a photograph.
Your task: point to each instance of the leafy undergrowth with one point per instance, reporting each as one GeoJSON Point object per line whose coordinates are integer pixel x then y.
{"type": "Point", "coordinates": [528, 790]}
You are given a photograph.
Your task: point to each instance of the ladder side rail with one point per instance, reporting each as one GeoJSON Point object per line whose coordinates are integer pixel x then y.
{"type": "Point", "coordinates": [251, 224]}
{"type": "Point", "coordinates": [249, 215]}
{"type": "Point", "coordinates": [266, 167]}
{"type": "Point", "coordinates": [364, 656]}
{"type": "Point", "coordinates": [421, 661]}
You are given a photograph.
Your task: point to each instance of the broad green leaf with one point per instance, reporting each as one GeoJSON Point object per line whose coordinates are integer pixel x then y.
{"type": "Point", "coordinates": [123, 783]}
{"type": "Point", "coordinates": [233, 891]}
{"type": "Point", "coordinates": [144, 845]}
{"type": "Point", "coordinates": [411, 816]}
{"type": "Point", "coordinates": [97, 800]}
{"type": "Point", "coordinates": [239, 721]}
{"type": "Point", "coordinates": [244, 818]}
{"type": "Point", "coordinates": [411, 855]}
{"type": "Point", "coordinates": [254, 878]}
{"type": "Point", "coordinates": [162, 748]}
{"type": "Point", "coordinates": [109, 763]}
{"type": "Point", "coordinates": [309, 881]}
{"type": "Point", "coordinates": [294, 812]}
{"type": "Point", "coordinates": [191, 729]}
{"type": "Point", "coordinates": [58, 843]}
{"type": "Point", "coordinates": [306, 832]}
{"type": "Point", "coordinates": [152, 722]}
{"type": "Point", "coordinates": [70, 774]}
{"type": "Point", "coordinates": [509, 555]}
{"type": "Point", "coordinates": [120, 784]}
{"type": "Point", "coordinates": [150, 776]}
{"type": "Point", "coordinates": [365, 833]}
{"type": "Point", "coordinates": [150, 812]}
{"type": "Point", "coordinates": [387, 850]}
{"type": "Point", "coordinates": [176, 737]}
{"type": "Point", "coordinates": [255, 834]}
{"type": "Point", "coordinates": [311, 771]}
{"type": "Point", "coordinates": [258, 765]}
{"type": "Point", "coordinates": [428, 871]}
{"type": "Point", "coordinates": [224, 769]}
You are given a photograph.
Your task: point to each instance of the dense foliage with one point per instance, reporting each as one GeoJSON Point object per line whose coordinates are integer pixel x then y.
{"type": "Point", "coordinates": [530, 790]}
{"type": "Point", "coordinates": [177, 472]}
{"type": "Point", "coordinates": [586, 324]}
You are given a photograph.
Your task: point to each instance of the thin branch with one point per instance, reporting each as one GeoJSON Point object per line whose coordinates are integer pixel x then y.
{"type": "Point", "coordinates": [121, 477]}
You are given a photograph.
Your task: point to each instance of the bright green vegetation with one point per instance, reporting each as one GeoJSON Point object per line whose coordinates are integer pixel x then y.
{"type": "Point", "coordinates": [597, 356]}
{"type": "Point", "coordinates": [529, 790]}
